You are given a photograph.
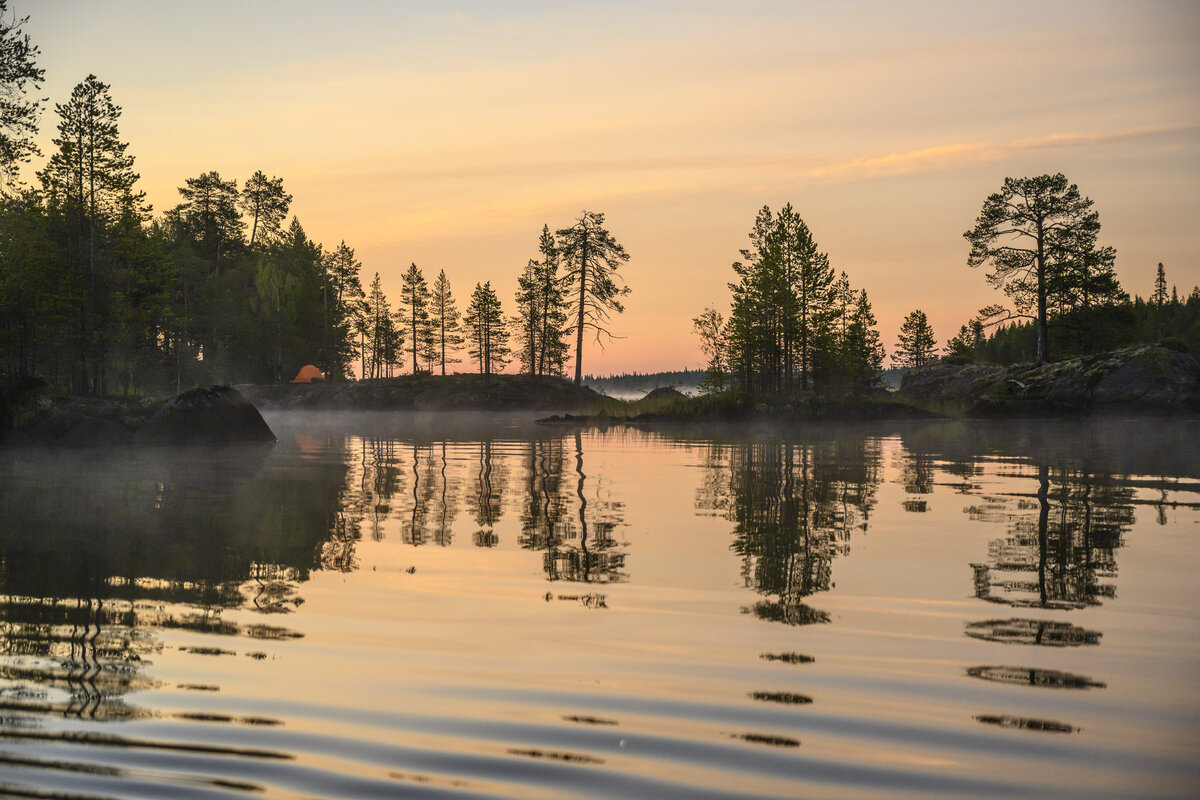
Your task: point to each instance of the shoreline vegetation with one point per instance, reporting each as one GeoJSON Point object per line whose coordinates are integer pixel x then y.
{"type": "Point", "coordinates": [1151, 380]}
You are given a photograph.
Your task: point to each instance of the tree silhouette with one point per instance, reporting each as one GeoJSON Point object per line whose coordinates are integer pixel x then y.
{"type": "Point", "coordinates": [590, 260]}
{"type": "Point", "coordinates": [19, 76]}
{"type": "Point", "coordinates": [445, 321]}
{"type": "Point", "coordinates": [266, 203]}
{"type": "Point", "coordinates": [916, 344]}
{"type": "Point", "coordinates": [1033, 232]}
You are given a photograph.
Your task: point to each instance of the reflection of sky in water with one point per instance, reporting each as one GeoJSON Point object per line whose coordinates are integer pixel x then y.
{"type": "Point", "coordinates": [472, 604]}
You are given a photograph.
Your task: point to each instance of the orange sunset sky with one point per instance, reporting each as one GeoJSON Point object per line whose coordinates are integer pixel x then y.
{"type": "Point", "coordinates": [447, 134]}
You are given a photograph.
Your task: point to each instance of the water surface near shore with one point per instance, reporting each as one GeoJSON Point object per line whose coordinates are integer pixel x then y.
{"type": "Point", "coordinates": [392, 605]}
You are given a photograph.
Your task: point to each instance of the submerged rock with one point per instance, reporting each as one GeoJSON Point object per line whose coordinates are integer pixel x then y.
{"type": "Point", "coordinates": [1149, 379]}
{"type": "Point", "coordinates": [211, 415]}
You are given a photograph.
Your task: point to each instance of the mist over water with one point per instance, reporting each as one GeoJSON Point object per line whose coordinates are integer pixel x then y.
{"type": "Point", "coordinates": [476, 605]}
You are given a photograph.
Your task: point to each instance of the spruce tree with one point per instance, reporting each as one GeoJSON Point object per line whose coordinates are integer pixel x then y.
{"type": "Point", "coordinates": [1159, 298]}
{"type": "Point", "coordinates": [341, 295]}
{"type": "Point", "coordinates": [529, 318]}
{"type": "Point", "coordinates": [916, 343]}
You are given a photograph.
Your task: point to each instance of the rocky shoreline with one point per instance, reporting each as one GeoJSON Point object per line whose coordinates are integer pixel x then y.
{"type": "Point", "coordinates": [1148, 380]}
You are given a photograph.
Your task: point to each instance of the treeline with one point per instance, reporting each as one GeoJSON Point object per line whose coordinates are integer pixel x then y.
{"type": "Point", "coordinates": [644, 381]}
{"type": "Point", "coordinates": [1176, 323]}
{"type": "Point", "coordinates": [100, 296]}
{"type": "Point", "coordinates": [795, 326]}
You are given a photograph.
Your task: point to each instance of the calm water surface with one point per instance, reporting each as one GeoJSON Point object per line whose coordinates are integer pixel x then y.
{"type": "Point", "coordinates": [478, 606]}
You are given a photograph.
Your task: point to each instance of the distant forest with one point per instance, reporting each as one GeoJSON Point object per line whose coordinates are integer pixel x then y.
{"type": "Point", "coordinates": [642, 382]}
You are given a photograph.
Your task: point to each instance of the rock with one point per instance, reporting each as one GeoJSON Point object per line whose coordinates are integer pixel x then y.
{"type": "Point", "coordinates": [211, 415]}
{"type": "Point", "coordinates": [664, 393]}
{"type": "Point", "coordinates": [1149, 379]}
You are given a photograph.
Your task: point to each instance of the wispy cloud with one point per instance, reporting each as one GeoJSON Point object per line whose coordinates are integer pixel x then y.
{"type": "Point", "coordinates": [944, 156]}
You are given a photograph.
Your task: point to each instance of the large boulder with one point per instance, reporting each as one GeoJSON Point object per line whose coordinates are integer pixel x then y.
{"type": "Point", "coordinates": [209, 415]}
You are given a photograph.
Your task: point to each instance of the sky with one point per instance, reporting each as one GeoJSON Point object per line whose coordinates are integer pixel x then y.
{"type": "Point", "coordinates": [447, 134]}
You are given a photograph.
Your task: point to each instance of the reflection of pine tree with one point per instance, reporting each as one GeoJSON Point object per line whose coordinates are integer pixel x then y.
{"type": "Point", "coordinates": [445, 509]}
{"type": "Point", "coordinates": [793, 507]}
{"type": "Point", "coordinates": [487, 496]}
{"type": "Point", "coordinates": [573, 525]}
{"type": "Point", "coordinates": [376, 481]}
{"type": "Point", "coordinates": [1057, 557]}
{"type": "Point", "coordinates": [421, 498]}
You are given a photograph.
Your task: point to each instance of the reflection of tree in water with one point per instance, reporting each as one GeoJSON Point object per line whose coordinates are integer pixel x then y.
{"type": "Point", "coordinates": [379, 479]}
{"type": "Point", "coordinates": [1060, 555]}
{"type": "Point", "coordinates": [427, 477]}
{"type": "Point", "coordinates": [486, 498]}
{"type": "Point", "coordinates": [129, 546]}
{"type": "Point", "coordinates": [793, 506]}
{"type": "Point", "coordinates": [571, 520]}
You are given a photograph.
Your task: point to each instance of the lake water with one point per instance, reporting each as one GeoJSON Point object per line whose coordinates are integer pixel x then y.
{"type": "Point", "coordinates": [479, 606]}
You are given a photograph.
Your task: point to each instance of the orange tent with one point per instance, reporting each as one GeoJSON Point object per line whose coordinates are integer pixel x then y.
{"type": "Point", "coordinates": [307, 374]}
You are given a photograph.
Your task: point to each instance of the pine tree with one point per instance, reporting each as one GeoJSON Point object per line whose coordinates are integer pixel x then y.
{"type": "Point", "coordinates": [89, 180]}
{"type": "Point", "coordinates": [710, 327]}
{"type": "Point", "coordinates": [552, 347]}
{"type": "Point", "coordinates": [1159, 298]}
{"type": "Point", "coordinates": [414, 314]}
{"type": "Point", "coordinates": [966, 345]}
{"type": "Point", "coordinates": [383, 338]}
{"type": "Point", "coordinates": [529, 318]}
{"type": "Point", "coordinates": [487, 330]}
{"type": "Point", "coordinates": [19, 78]}
{"type": "Point", "coordinates": [863, 347]}
{"type": "Point", "coordinates": [1035, 232]}
{"type": "Point", "coordinates": [266, 203]}
{"type": "Point", "coordinates": [916, 343]}
{"type": "Point", "coordinates": [341, 295]}
{"type": "Point", "coordinates": [590, 259]}
{"type": "Point", "coordinates": [446, 321]}
{"type": "Point", "coordinates": [208, 218]}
